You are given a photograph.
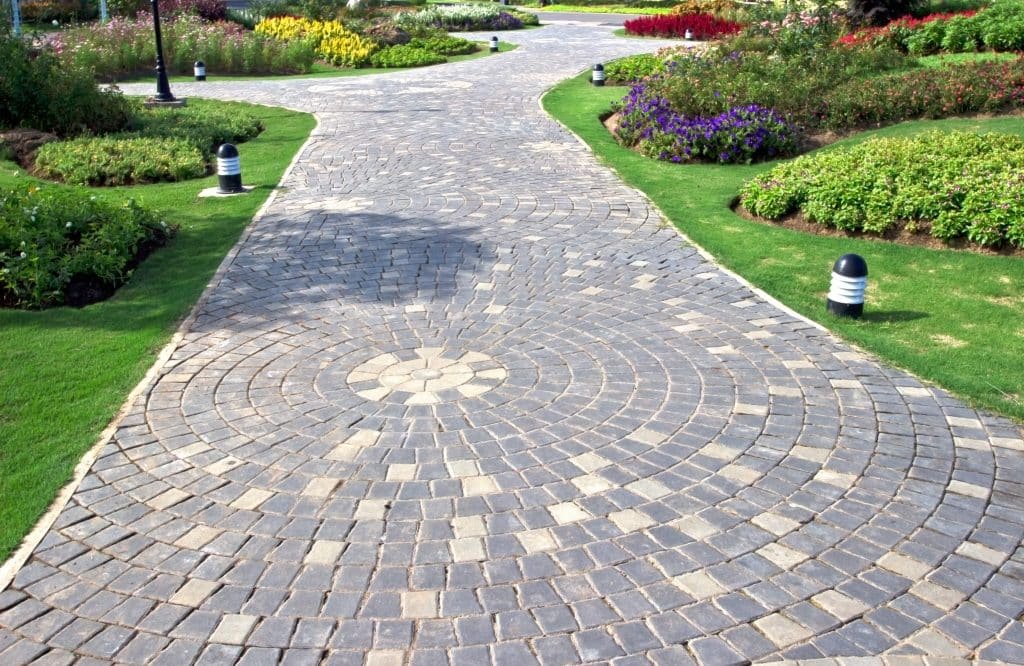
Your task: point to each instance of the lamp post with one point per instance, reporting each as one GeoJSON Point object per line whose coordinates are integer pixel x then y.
{"type": "Point", "coordinates": [163, 88]}
{"type": "Point", "coordinates": [16, 17]}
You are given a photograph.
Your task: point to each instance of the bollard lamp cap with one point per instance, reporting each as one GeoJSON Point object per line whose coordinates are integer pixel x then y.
{"type": "Point", "coordinates": [227, 151]}
{"type": "Point", "coordinates": [598, 67]}
{"type": "Point", "coordinates": [851, 265]}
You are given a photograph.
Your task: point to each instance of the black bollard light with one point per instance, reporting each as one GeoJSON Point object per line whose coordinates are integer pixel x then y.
{"type": "Point", "coordinates": [846, 293]}
{"type": "Point", "coordinates": [597, 75]}
{"type": "Point", "coordinates": [163, 88]}
{"type": "Point", "coordinates": [200, 70]}
{"type": "Point", "coordinates": [494, 44]}
{"type": "Point", "coordinates": [229, 170]}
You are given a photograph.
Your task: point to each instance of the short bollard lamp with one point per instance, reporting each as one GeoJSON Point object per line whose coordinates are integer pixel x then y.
{"type": "Point", "coordinates": [494, 44]}
{"type": "Point", "coordinates": [229, 170]}
{"type": "Point", "coordinates": [597, 75]}
{"type": "Point", "coordinates": [846, 293]}
{"type": "Point", "coordinates": [200, 70]}
{"type": "Point", "coordinates": [688, 34]}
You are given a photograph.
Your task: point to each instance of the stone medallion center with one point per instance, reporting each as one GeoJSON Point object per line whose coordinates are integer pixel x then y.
{"type": "Point", "coordinates": [426, 376]}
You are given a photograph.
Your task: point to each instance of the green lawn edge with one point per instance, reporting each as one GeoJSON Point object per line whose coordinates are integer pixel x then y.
{"type": "Point", "coordinates": [66, 372]}
{"type": "Point", "coordinates": [950, 317]}
{"type": "Point", "coordinates": [322, 71]}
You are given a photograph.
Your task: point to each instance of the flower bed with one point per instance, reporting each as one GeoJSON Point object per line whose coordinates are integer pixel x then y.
{"type": "Point", "coordinates": [58, 244]}
{"type": "Point", "coordinates": [999, 27]}
{"type": "Point", "coordinates": [124, 47]}
{"type": "Point", "coordinates": [462, 17]}
{"type": "Point", "coordinates": [701, 26]}
{"type": "Point", "coordinates": [332, 41]}
{"type": "Point", "coordinates": [952, 185]}
{"type": "Point", "coordinates": [742, 134]}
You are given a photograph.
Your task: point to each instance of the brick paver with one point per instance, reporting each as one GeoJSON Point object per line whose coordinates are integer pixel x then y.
{"type": "Point", "coordinates": [462, 397]}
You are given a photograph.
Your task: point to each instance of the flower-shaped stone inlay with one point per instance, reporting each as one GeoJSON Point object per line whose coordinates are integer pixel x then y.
{"type": "Point", "coordinates": [432, 376]}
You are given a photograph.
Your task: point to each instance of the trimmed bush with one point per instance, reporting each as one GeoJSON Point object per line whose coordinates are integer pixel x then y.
{"type": "Point", "coordinates": [404, 55]}
{"type": "Point", "coordinates": [54, 240]}
{"type": "Point", "coordinates": [113, 160]}
{"type": "Point", "coordinates": [953, 185]}
{"type": "Point", "coordinates": [703, 26]}
{"type": "Point", "coordinates": [38, 91]}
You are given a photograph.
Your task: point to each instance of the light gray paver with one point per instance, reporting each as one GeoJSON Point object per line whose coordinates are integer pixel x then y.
{"type": "Point", "coordinates": [461, 397]}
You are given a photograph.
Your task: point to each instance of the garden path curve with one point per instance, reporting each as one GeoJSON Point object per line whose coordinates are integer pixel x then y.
{"type": "Point", "coordinates": [462, 397]}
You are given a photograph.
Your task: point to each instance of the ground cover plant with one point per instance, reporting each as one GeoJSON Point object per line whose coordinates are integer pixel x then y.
{"type": "Point", "coordinates": [157, 145]}
{"type": "Point", "coordinates": [698, 26]}
{"type": "Point", "coordinates": [68, 370]}
{"type": "Point", "coordinates": [955, 186]}
{"type": "Point", "coordinates": [953, 317]}
{"type": "Point", "coordinates": [118, 160]}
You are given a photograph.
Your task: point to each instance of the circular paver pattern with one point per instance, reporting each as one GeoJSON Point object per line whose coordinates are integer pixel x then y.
{"type": "Point", "coordinates": [461, 397]}
{"type": "Point", "coordinates": [426, 377]}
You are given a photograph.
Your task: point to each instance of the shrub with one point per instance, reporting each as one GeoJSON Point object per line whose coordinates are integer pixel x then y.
{"type": "Point", "coordinates": [124, 47]}
{"type": "Point", "coordinates": [1002, 25]}
{"type": "Point", "coordinates": [38, 91]}
{"type": "Point", "coordinates": [460, 17]}
{"type": "Point", "coordinates": [405, 55]}
{"type": "Point", "coordinates": [955, 185]}
{"type": "Point", "coordinates": [113, 160]}
{"type": "Point", "coordinates": [703, 26]}
{"type": "Point", "coordinates": [740, 135]}
{"type": "Point", "coordinates": [633, 68]}
{"type": "Point", "coordinates": [447, 46]}
{"type": "Point", "coordinates": [53, 238]}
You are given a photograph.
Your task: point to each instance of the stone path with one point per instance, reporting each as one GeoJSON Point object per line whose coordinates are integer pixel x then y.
{"type": "Point", "coordinates": [462, 397]}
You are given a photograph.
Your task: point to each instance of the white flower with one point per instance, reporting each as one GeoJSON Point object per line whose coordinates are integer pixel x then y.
{"type": "Point", "coordinates": [23, 255]}
{"type": "Point", "coordinates": [67, 226]}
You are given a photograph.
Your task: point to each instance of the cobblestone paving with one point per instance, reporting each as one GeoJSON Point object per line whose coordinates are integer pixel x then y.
{"type": "Point", "coordinates": [463, 398]}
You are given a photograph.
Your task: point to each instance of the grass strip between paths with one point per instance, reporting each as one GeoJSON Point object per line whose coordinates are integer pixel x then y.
{"type": "Point", "coordinates": [64, 373]}
{"type": "Point", "coordinates": [951, 317]}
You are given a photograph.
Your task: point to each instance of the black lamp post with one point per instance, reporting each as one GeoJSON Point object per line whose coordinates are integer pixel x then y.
{"type": "Point", "coordinates": [163, 88]}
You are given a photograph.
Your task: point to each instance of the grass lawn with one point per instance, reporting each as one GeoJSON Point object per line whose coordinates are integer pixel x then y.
{"type": "Point", "coordinates": [954, 318]}
{"type": "Point", "coordinates": [323, 71]}
{"type": "Point", "coordinates": [65, 372]}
